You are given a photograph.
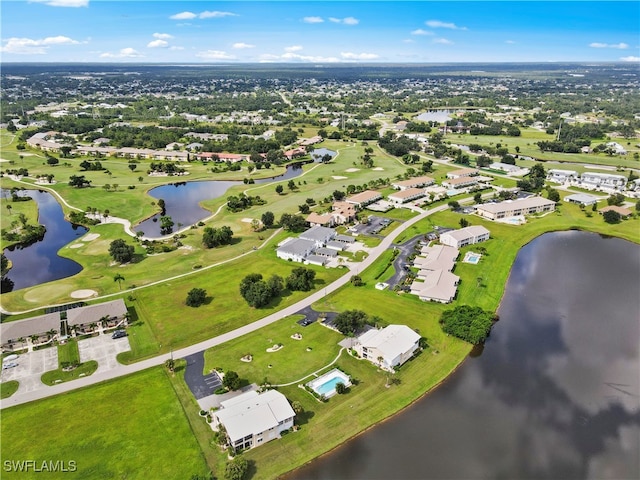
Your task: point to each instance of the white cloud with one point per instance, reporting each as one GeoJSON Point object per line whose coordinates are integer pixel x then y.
{"type": "Point", "coordinates": [162, 36]}
{"type": "Point", "coordinates": [439, 24]}
{"type": "Point", "coordinates": [268, 57]}
{"type": "Point", "coordinates": [510, 42]}
{"type": "Point", "coordinates": [293, 48]}
{"type": "Point", "coordinates": [290, 56]}
{"type": "Point", "coordinates": [345, 21]}
{"type": "Point", "coordinates": [241, 45]}
{"type": "Point", "coordinates": [443, 41]}
{"type": "Point", "coordinates": [215, 55]}
{"type": "Point", "coordinates": [359, 56]}
{"type": "Point", "coordinates": [158, 44]}
{"type": "Point", "coordinates": [630, 58]}
{"type": "Point", "coordinates": [176, 48]}
{"type": "Point", "coordinates": [183, 16]}
{"type": "Point", "coordinates": [420, 31]}
{"type": "Point", "coordinates": [621, 46]}
{"type": "Point", "coordinates": [64, 3]}
{"type": "Point", "coordinates": [29, 46]}
{"type": "Point", "coordinates": [216, 14]}
{"type": "Point", "coordinates": [312, 20]}
{"type": "Point", "coordinates": [123, 53]}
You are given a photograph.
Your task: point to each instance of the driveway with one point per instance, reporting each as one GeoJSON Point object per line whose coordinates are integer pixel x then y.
{"type": "Point", "coordinates": [200, 385]}
{"type": "Point", "coordinates": [103, 349]}
{"type": "Point", "coordinates": [31, 366]}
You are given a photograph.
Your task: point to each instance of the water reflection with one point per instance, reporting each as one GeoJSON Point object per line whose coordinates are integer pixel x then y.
{"type": "Point", "coordinates": [554, 395]}
{"type": "Point", "coordinates": [39, 262]}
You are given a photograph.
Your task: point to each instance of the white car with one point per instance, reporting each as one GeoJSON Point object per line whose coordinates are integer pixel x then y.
{"type": "Point", "coordinates": [5, 366]}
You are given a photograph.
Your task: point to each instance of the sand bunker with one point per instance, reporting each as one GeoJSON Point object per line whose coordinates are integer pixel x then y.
{"type": "Point", "coordinates": [378, 169]}
{"type": "Point", "coordinates": [338, 177]}
{"type": "Point", "coordinates": [83, 294]}
{"type": "Point", "coordinates": [90, 237]}
{"type": "Point", "coordinates": [247, 220]}
{"type": "Point", "coordinates": [351, 170]}
{"type": "Point", "coordinates": [76, 245]}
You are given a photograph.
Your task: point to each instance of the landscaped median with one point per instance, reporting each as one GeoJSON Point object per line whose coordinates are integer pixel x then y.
{"type": "Point", "coordinates": [69, 366]}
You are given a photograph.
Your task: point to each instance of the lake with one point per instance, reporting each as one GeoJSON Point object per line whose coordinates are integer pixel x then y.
{"type": "Point", "coordinates": [39, 262]}
{"type": "Point", "coordinates": [554, 394]}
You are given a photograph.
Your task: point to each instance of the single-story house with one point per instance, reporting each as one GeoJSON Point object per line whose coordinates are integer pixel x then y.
{"type": "Point", "coordinates": [110, 314]}
{"type": "Point", "coordinates": [363, 199]}
{"type": "Point", "coordinates": [561, 176]}
{"type": "Point", "coordinates": [505, 167]}
{"type": "Point", "coordinates": [582, 199]}
{"type": "Point", "coordinates": [465, 236]}
{"type": "Point", "coordinates": [389, 347]}
{"type": "Point", "coordinates": [253, 418]}
{"type": "Point", "coordinates": [41, 328]}
{"type": "Point", "coordinates": [323, 220]}
{"type": "Point", "coordinates": [406, 195]}
{"type": "Point", "coordinates": [624, 212]}
{"type": "Point", "coordinates": [463, 172]}
{"type": "Point", "coordinates": [514, 208]}
{"type": "Point", "coordinates": [415, 182]}
{"type": "Point", "coordinates": [296, 249]}
{"type": "Point", "coordinates": [459, 182]}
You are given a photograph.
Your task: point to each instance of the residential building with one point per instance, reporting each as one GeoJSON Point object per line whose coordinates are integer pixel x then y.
{"type": "Point", "coordinates": [323, 220]}
{"type": "Point", "coordinates": [459, 182]}
{"type": "Point", "coordinates": [110, 314]}
{"type": "Point", "coordinates": [415, 182]}
{"type": "Point", "coordinates": [253, 418]}
{"type": "Point", "coordinates": [406, 195]}
{"type": "Point", "coordinates": [343, 212]}
{"type": "Point", "coordinates": [435, 286]}
{"type": "Point", "coordinates": [463, 172]}
{"type": "Point", "coordinates": [436, 257]}
{"type": "Point", "coordinates": [390, 347]}
{"type": "Point", "coordinates": [582, 199]}
{"type": "Point", "coordinates": [295, 249]}
{"type": "Point", "coordinates": [623, 212]}
{"type": "Point", "coordinates": [318, 235]}
{"type": "Point", "coordinates": [508, 168]}
{"type": "Point", "coordinates": [363, 199]}
{"type": "Point", "coordinates": [38, 330]}
{"type": "Point", "coordinates": [617, 148]}
{"type": "Point", "coordinates": [514, 208]}
{"type": "Point", "coordinates": [465, 236]}
{"type": "Point", "coordinates": [607, 181]}
{"type": "Point", "coordinates": [562, 176]}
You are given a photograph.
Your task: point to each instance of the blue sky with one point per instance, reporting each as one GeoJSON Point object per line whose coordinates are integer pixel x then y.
{"type": "Point", "coordinates": [318, 32]}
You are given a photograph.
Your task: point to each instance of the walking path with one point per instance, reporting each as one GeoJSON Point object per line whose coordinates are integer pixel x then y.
{"type": "Point", "coordinates": [120, 370]}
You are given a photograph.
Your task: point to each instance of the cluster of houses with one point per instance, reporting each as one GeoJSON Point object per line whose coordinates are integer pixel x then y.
{"type": "Point", "coordinates": [518, 208]}
{"type": "Point", "coordinates": [606, 182]}
{"type": "Point", "coordinates": [435, 280]}
{"type": "Point", "coordinates": [44, 329]}
{"type": "Point", "coordinates": [315, 246]}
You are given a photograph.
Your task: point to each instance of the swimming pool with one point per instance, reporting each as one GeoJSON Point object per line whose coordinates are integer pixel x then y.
{"type": "Point", "coordinates": [471, 257]}
{"type": "Point", "coordinates": [326, 384]}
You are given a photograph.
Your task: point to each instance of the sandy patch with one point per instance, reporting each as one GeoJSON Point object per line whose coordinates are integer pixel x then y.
{"type": "Point", "coordinates": [76, 245]}
{"type": "Point", "coordinates": [247, 220]}
{"type": "Point", "coordinates": [351, 170]}
{"type": "Point", "coordinates": [338, 177]}
{"type": "Point", "coordinates": [90, 237]}
{"type": "Point", "coordinates": [378, 169]}
{"type": "Point", "coordinates": [83, 294]}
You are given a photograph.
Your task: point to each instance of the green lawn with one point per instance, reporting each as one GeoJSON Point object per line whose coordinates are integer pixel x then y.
{"type": "Point", "coordinates": [292, 362]}
{"type": "Point", "coordinates": [68, 354]}
{"type": "Point", "coordinates": [133, 427]}
{"type": "Point", "coordinates": [8, 388]}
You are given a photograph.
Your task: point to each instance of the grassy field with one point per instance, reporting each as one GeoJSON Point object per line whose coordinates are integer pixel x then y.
{"type": "Point", "coordinates": [8, 388]}
{"type": "Point", "coordinates": [112, 430]}
{"type": "Point", "coordinates": [68, 354]}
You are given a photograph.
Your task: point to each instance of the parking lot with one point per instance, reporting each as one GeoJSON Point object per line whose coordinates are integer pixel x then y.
{"type": "Point", "coordinates": [30, 368]}
{"type": "Point", "coordinates": [103, 349]}
{"type": "Point", "coordinates": [374, 227]}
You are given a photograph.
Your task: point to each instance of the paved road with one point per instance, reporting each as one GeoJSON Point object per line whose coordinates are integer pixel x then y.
{"type": "Point", "coordinates": [120, 370]}
{"type": "Point", "coordinates": [200, 385]}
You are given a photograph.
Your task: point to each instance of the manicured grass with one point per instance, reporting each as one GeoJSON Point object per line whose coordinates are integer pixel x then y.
{"type": "Point", "coordinates": [133, 427]}
{"type": "Point", "coordinates": [68, 354]}
{"type": "Point", "coordinates": [292, 362]}
{"type": "Point", "coordinates": [8, 388]}
{"type": "Point", "coordinates": [10, 215]}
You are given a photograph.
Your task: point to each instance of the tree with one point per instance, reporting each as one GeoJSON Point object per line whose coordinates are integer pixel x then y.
{"type": "Point", "coordinates": [9, 207]}
{"type": "Point", "coordinates": [293, 223]}
{"type": "Point", "coordinates": [350, 321]}
{"type": "Point", "coordinates": [301, 279]}
{"type": "Point", "coordinates": [616, 199]}
{"type": "Point", "coordinates": [120, 251]}
{"type": "Point", "coordinates": [4, 263]}
{"type": "Point", "coordinates": [132, 167]}
{"type": "Point", "coordinates": [304, 209]}
{"type": "Point", "coordinates": [267, 219]}
{"type": "Point", "coordinates": [292, 185]}
{"type": "Point", "coordinates": [638, 206]}
{"type": "Point", "coordinates": [279, 189]}
{"type": "Point", "coordinates": [464, 222]}
{"type": "Point", "coordinates": [297, 407]}
{"type": "Point", "coordinates": [454, 205]}
{"type": "Point", "coordinates": [231, 380]}
{"type": "Point", "coordinates": [166, 224]}
{"type": "Point", "coordinates": [356, 281]}
{"type": "Point", "coordinates": [341, 388]}
{"type": "Point", "coordinates": [118, 278]}
{"type": "Point", "coordinates": [236, 468]}
{"type": "Point", "coordinates": [170, 364]}
{"type": "Point", "coordinates": [477, 198]}
{"type": "Point", "coordinates": [196, 297]}
{"type": "Point", "coordinates": [52, 161]}
{"type": "Point", "coordinates": [214, 237]}
{"type": "Point", "coordinates": [338, 195]}
{"type": "Point", "coordinates": [257, 292]}
{"type": "Point", "coordinates": [79, 181]}
{"type": "Point", "coordinates": [611, 216]}
{"type": "Point", "coordinates": [553, 195]}
{"type": "Point", "coordinates": [471, 324]}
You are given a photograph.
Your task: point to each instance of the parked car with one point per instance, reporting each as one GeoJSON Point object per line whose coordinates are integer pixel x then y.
{"type": "Point", "coordinates": [119, 334]}
{"type": "Point", "coordinates": [5, 366]}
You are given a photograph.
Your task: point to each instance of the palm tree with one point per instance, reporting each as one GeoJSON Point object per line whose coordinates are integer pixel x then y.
{"type": "Point", "coordinates": [9, 207]}
{"type": "Point", "coordinates": [118, 278]}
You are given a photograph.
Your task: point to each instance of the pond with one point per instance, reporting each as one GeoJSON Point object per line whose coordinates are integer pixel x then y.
{"type": "Point", "coordinates": [440, 116]}
{"type": "Point", "coordinates": [39, 262]}
{"type": "Point", "coordinates": [554, 393]}
{"type": "Point", "coordinates": [182, 200]}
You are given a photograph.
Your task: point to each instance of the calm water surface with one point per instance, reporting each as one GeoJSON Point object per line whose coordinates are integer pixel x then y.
{"type": "Point", "coordinates": [554, 395]}
{"type": "Point", "coordinates": [39, 262]}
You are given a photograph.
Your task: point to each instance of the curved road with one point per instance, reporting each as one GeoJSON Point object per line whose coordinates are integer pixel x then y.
{"type": "Point", "coordinates": [121, 370]}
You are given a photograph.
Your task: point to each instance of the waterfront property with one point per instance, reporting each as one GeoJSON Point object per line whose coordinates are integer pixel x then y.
{"type": "Point", "coordinates": [325, 384]}
{"type": "Point", "coordinates": [515, 208]}
{"type": "Point", "coordinates": [582, 199]}
{"type": "Point", "coordinates": [434, 281]}
{"type": "Point", "coordinates": [390, 347]}
{"type": "Point", "coordinates": [251, 418]}
{"type": "Point", "coordinates": [623, 212]}
{"type": "Point", "coordinates": [465, 236]}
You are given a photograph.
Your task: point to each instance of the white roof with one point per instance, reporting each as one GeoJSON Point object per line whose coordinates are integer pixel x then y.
{"type": "Point", "coordinates": [251, 413]}
{"type": "Point", "coordinates": [467, 232]}
{"type": "Point", "coordinates": [297, 246]}
{"type": "Point", "coordinates": [391, 341]}
{"type": "Point", "coordinates": [515, 204]}
{"type": "Point", "coordinates": [94, 313]}
{"type": "Point", "coordinates": [318, 233]}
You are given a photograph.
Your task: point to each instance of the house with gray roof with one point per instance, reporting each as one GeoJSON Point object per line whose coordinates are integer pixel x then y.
{"type": "Point", "coordinates": [40, 329]}
{"type": "Point", "coordinates": [110, 314]}
{"type": "Point", "coordinates": [319, 235]}
{"type": "Point", "coordinates": [295, 249]}
{"type": "Point", "coordinates": [582, 199]}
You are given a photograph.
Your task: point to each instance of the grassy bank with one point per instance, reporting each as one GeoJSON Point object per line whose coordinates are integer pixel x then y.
{"type": "Point", "coordinates": [8, 388]}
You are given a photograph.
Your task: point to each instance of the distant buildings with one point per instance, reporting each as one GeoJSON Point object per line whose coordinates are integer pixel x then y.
{"type": "Point", "coordinates": [315, 246]}
{"type": "Point", "coordinates": [363, 199]}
